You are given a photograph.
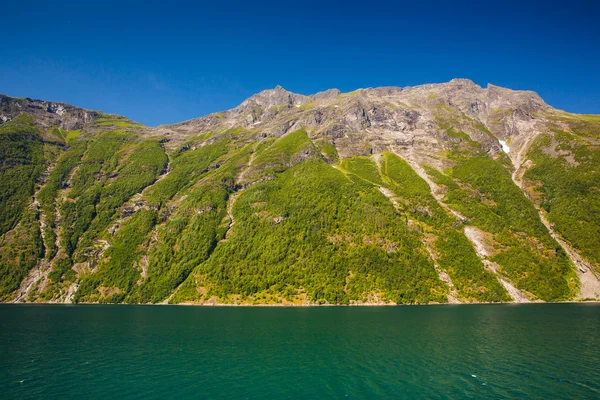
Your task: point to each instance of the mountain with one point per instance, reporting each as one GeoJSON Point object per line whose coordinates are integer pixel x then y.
{"type": "Point", "coordinates": [436, 193]}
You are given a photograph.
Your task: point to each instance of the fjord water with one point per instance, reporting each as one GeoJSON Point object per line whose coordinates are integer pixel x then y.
{"type": "Point", "coordinates": [479, 351]}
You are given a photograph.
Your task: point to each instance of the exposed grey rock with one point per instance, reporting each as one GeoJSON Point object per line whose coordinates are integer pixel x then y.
{"type": "Point", "coordinates": [410, 119]}
{"type": "Point", "coordinates": [327, 95]}
{"type": "Point", "coordinates": [47, 114]}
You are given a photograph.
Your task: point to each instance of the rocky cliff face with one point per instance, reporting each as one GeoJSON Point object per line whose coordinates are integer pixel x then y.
{"type": "Point", "coordinates": [371, 120]}
{"type": "Point", "coordinates": [434, 193]}
{"type": "Point", "coordinates": [47, 114]}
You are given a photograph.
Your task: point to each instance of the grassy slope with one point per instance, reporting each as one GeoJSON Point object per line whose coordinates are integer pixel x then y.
{"type": "Point", "coordinates": [114, 168]}
{"type": "Point", "coordinates": [22, 162]}
{"type": "Point", "coordinates": [304, 231]}
{"type": "Point", "coordinates": [311, 233]}
{"type": "Point", "coordinates": [454, 253]}
{"type": "Point", "coordinates": [94, 173]}
{"type": "Point", "coordinates": [565, 181]}
{"type": "Point", "coordinates": [481, 188]}
{"type": "Point", "coordinates": [314, 234]}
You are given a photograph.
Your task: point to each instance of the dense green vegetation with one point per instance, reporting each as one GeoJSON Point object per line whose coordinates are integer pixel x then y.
{"type": "Point", "coordinates": [566, 178]}
{"type": "Point", "coordinates": [190, 232]}
{"type": "Point", "coordinates": [115, 121]}
{"type": "Point", "coordinates": [440, 230]}
{"type": "Point", "coordinates": [329, 152]}
{"type": "Point", "coordinates": [186, 240]}
{"type": "Point", "coordinates": [21, 163]}
{"type": "Point", "coordinates": [47, 196]}
{"type": "Point", "coordinates": [186, 234]}
{"type": "Point", "coordinates": [313, 234]}
{"type": "Point", "coordinates": [453, 252]}
{"type": "Point", "coordinates": [186, 169]}
{"type": "Point", "coordinates": [89, 181]}
{"type": "Point", "coordinates": [481, 189]}
{"type": "Point", "coordinates": [111, 213]}
{"type": "Point", "coordinates": [140, 168]}
{"type": "Point", "coordinates": [116, 273]}
{"type": "Point", "coordinates": [284, 152]}
{"type": "Point", "coordinates": [20, 251]}
{"type": "Point", "coordinates": [363, 167]}
{"type": "Point", "coordinates": [113, 169]}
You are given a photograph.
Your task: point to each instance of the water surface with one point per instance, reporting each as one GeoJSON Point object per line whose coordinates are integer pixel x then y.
{"type": "Point", "coordinates": [536, 351]}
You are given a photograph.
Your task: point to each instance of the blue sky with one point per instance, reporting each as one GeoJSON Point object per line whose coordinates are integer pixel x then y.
{"type": "Point", "coordinates": [172, 61]}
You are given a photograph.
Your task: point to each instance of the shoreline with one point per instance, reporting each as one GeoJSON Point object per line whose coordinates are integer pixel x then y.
{"type": "Point", "coordinates": [217, 305]}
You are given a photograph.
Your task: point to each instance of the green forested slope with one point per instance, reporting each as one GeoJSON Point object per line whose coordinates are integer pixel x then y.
{"type": "Point", "coordinates": [21, 165]}
{"type": "Point", "coordinates": [565, 181]}
{"type": "Point", "coordinates": [22, 162]}
{"type": "Point", "coordinates": [454, 253]}
{"type": "Point", "coordinates": [113, 211]}
{"type": "Point", "coordinates": [315, 233]}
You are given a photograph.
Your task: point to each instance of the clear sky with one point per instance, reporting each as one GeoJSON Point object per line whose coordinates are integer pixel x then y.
{"type": "Point", "coordinates": [172, 61]}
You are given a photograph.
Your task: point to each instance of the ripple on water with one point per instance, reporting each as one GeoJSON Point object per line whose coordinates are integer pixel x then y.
{"type": "Point", "coordinates": [499, 352]}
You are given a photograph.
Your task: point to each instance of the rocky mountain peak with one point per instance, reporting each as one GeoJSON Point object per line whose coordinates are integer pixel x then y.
{"type": "Point", "coordinates": [387, 176]}
{"type": "Point", "coordinates": [527, 100]}
{"type": "Point", "coordinates": [46, 113]}
{"type": "Point", "coordinates": [463, 82]}
{"type": "Point", "coordinates": [374, 119]}
{"type": "Point", "coordinates": [274, 97]}
{"type": "Point", "coordinates": [326, 95]}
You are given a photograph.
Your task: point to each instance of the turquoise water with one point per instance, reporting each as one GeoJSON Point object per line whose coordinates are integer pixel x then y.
{"type": "Point", "coordinates": [538, 351]}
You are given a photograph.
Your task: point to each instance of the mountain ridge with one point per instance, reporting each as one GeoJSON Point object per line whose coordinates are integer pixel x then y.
{"type": "Point", "coordinates": [444, 192]}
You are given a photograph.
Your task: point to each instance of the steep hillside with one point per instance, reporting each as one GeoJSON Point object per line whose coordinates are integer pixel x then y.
{"type": "Point", "coordinates": [436, 193]}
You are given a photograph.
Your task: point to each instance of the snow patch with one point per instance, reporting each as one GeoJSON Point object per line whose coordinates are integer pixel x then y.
{"type": "Point", "coordinates": [505, 147]}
